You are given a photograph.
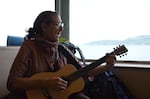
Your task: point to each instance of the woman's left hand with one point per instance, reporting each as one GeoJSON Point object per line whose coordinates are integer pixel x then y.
{"type": "Point", "coordinates": [111, 60]}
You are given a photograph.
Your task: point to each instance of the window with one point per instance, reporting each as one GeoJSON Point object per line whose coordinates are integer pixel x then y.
{"type": "Point", "coordinates": [97, 26]}
{"type": "Point", "coordinates": [18, 15]}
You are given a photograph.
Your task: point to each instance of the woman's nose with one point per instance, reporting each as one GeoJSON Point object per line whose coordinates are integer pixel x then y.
{"type": "Point", "coordinates": [61, 28]}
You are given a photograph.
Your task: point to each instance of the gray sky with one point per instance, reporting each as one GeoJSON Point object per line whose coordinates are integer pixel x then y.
{"type": "Point", "coordinates": [93, 20]}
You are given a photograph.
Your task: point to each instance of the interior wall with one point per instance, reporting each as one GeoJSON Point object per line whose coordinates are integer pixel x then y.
{"type": "Point", "coordinates": [137, 80]}
{"type": "Point", "coordinates": [7, 55]}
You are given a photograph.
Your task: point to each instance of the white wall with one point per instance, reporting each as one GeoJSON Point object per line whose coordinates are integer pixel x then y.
{"type": "Point", "coordinates": [7, 55]}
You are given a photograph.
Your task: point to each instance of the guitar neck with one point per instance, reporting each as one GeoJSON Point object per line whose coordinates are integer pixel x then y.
{"type": "Point", "coordinates": [82, 71]}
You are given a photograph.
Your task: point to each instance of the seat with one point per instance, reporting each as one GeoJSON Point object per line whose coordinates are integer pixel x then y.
{"type": "Point", "coordinates": [14, 40]}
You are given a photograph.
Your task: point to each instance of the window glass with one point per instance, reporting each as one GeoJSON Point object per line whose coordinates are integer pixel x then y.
{"type": "Point", "coordinates": [98, 26]}
{"type": "Point", "coordinates": [18, 15]}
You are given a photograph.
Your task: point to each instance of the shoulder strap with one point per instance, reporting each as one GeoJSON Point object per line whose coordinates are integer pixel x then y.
{"type": "Point", "coordinates": [68, 54]}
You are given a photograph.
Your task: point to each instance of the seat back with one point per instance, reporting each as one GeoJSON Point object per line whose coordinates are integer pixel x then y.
{"type": "Point", "coordinates": [14, 40]}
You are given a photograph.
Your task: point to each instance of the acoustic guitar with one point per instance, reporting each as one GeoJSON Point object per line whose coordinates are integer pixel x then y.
{"type": "Point", "coordinates": [72, 75]}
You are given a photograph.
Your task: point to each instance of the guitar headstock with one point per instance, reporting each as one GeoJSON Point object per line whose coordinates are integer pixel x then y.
{"type": "Point", "coordinates": [120, 50]}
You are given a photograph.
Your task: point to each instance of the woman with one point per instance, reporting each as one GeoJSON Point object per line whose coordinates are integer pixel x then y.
{"type": "Point", "coordinates": [40, 53]}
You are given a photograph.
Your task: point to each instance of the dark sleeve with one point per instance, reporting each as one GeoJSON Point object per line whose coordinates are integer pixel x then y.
{"type": "Point", "coordinates": [19, 66]}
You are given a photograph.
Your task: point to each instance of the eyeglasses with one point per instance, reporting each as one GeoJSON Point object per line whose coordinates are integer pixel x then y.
{"type": "Point", "coordinates": [60, 24]}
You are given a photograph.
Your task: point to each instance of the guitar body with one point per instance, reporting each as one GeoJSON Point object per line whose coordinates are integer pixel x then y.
{"type": "Point", "coordinates": [75, 86]}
